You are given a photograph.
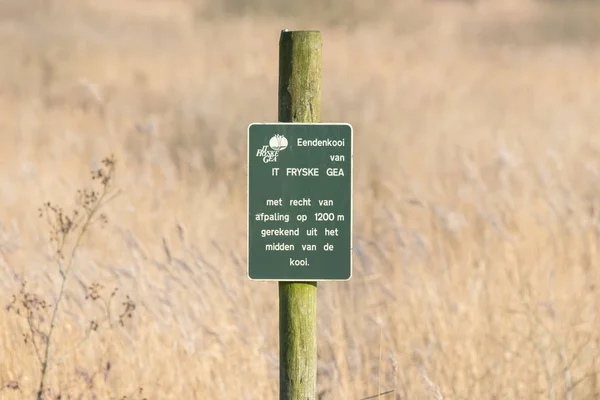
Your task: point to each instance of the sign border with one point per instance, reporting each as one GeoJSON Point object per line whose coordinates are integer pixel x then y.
{"type": "Point", "coordinates": [248, 200]}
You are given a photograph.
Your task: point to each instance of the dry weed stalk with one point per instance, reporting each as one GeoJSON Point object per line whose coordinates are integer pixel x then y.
{"type": "Point", "coordinates": [433, 390]}
{"type": "Point", "coordinates": [66, 234]}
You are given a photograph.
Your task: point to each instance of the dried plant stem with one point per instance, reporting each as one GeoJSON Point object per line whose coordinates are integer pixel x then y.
{"type": "Point", "coordinates": [32, 331]}
{"type": "Point", "coordinates": [64, 273]}
{"type": "Point", "coordinates": [379, 364]}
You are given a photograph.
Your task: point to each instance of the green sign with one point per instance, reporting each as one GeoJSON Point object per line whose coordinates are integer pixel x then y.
{"type": "Point", "coordinates": [299, 202]}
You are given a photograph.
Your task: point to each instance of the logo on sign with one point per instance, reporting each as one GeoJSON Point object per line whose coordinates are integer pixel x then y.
{"type": "Point", "coordinates": [276, 144]}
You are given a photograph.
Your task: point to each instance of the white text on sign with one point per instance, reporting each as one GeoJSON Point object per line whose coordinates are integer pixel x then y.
{"type": "Point", "coordinates": [308, 172]}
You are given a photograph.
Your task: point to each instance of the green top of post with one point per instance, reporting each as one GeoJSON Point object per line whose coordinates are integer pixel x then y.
{"type": "Point", "coordinates": [300, 76]}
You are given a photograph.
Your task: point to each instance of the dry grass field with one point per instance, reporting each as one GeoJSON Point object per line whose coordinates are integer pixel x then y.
{"type": "Point", "coordinates": [477, 196]}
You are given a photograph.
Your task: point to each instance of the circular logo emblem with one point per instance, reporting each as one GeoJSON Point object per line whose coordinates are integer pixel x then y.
{"type": "Point", "coordinates": [278, 142]}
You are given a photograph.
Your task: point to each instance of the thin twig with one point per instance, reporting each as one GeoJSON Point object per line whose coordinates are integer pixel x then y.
{"type": "Point", "coordinates": [378, 395]}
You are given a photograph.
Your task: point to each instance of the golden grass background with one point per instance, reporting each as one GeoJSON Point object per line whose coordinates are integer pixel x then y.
{"type": "Point", "coordinates": [477, 194]}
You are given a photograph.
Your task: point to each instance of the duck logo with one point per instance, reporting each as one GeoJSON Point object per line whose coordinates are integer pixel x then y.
{"type": "Point", "coordinates": [276, 144]}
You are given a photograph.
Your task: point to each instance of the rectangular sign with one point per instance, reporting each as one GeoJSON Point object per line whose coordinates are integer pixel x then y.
{"type": "Point", "coordinates": [300, 202]}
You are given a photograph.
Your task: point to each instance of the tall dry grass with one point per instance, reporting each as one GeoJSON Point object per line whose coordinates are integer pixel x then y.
{"type": "Point", "coordinates": [476, 207]}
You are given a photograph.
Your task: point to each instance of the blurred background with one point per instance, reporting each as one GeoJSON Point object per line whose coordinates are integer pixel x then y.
{"type": "Point", "coordinates": [476, 194]}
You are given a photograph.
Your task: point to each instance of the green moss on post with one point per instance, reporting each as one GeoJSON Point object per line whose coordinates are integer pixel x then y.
{"type": "Point", "coordinates": [297, 340]}
{"type": "Point", "coordinates": [299, 101]}
{"type": "Point", "coordinates": [300, 76]}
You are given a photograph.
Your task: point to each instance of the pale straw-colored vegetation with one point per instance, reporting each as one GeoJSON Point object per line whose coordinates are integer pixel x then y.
{"type": "Point", "coordinates": [477, 205]}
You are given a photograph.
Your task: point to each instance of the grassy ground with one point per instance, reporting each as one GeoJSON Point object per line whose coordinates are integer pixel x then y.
{"type": "Point", "coordinates": [476, 208]}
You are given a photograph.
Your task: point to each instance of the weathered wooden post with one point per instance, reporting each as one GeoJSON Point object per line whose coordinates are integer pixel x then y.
{"type": "Point", "coordinates": [299, 207]}
{"type": "Point", "coordinates": [299, 101]}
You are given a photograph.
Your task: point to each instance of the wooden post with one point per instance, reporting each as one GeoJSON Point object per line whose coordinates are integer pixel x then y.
{"type": "Point", "coordinates": [299, 101]}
